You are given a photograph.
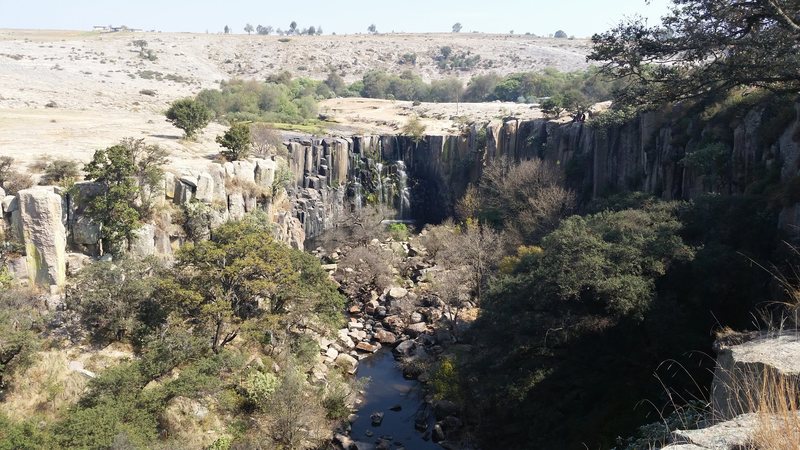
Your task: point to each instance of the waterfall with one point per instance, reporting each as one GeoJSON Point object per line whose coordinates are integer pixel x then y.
{"type": "Point", "coordinates": [404, 203]}
{"type": "Point", "coordinates": [358, 201]}
{"type": "Point", "coordinates": [379, 183]}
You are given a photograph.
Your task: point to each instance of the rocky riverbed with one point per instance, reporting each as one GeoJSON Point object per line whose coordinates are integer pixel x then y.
{"type": "Point", "coordinates": [392, 337]}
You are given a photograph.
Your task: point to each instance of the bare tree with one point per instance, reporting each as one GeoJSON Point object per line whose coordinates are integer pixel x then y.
{"type": "Point", "coordinates": [364, 269]}
{"type": "Point", "coordinates": [528, 198]}
{"type": "Point", "coordinates": [266, 141]}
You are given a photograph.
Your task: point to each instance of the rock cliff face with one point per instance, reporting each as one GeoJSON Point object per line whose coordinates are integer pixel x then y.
{"type": "Point", "coordinates": [327, 178]}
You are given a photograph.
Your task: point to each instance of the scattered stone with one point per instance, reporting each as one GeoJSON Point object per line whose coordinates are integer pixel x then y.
{"type": "Point", "coordinates": [396, 408]}
{"type": "Point", "coordinates": [363, 346]}
{"type": "Point", "coordinates": [397, 292]}
{"type": "Point", "coordinates": [405, 348]}
{"type": "Point", "coordinates": [416, 317]}
{"type": "Point", "coordinates": [415, 329]}
{"type": "Point", "coordinates": [376, 418]}
{"type": "Point", "coordinates": [346, 361]}
{"type": "Point", "coordinates": [438, 433]}
{"type": "Point", "coordinates": [385, 337]}
{"type": "Point", "coordinates": [331, 353]}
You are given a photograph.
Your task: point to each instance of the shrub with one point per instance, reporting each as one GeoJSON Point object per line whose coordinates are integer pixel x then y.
{"type": "Point", "coordinates": [188, 115]}
{"type": "Point", "coordinates": [237, 142]}
{"type": "Point", "coordinates": [17, 181]}
{"type": "Point", "coordinates": [414, 128]}
{"type": "Point", "coordinates": [61, 171]}
{"type": "Point", "coordinates": [398, 231]}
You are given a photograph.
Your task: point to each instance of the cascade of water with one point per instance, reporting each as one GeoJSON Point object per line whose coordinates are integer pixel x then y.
{"type": "Point", "coordinates": [357, 195]}
{"type": "Point", "coordinates": [404, 203]}
{"type": "Point", "coordinates": [379, 183]}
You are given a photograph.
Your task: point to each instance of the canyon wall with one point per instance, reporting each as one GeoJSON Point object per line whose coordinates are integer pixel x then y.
{"type": "Point", "coordinates": [324, 180]}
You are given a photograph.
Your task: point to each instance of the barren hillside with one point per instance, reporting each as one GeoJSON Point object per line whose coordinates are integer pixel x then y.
{"type": "Point", "coordinates": [69, 93]}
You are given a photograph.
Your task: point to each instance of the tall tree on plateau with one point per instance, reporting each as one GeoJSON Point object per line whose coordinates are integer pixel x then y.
{"type": "Point", "coordinates": [705, 47]}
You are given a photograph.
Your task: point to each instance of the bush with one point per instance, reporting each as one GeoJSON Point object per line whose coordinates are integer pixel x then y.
{"type": "Point", "coordinates": [398, 231]}
{"type": "Point", "coordinates": [237, 142]}
{"type": "Point", "coordinates": [189, 115]}
{"type": "Point", "coordinates": [61, 171]}
{"type": "Point", "coordinates": [414, 128]}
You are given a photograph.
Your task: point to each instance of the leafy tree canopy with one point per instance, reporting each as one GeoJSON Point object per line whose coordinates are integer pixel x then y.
{"type": "Point", "coordinates": [703, 48]}
{"type": "Point", "coordinates": [189, 115]}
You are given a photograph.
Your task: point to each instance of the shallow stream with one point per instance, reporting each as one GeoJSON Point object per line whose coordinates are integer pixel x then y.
{"type": "Point", "coordinates": [386, 391]}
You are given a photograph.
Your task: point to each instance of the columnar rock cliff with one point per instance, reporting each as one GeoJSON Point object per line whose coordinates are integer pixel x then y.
{"type": "Point", "coordinates": [327, 178]}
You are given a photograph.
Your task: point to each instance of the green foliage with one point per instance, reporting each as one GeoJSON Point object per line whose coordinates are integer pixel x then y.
{"type": "Point", "coordinates": [658, 434]}
{"type": "Point", "coordinates": [552, 107]}
{"type": "Point", "coordinates": [114, 300]}
{"type": "Point", "coordinates": [398, 231]}
{"type": "Point", "coordinates": [63, 172]}
{"type": "Point", "coordinates": [702, 50]}
{"type": "Point", "coordinates": [18, 338]}
{"type": "Point", "coordinates": [258, 386]}
{"type": "Point", "coordinates": [237, 142]}
{"type": "Point", "coordinates": [241, 273]}
{"type": "Point", "coordinates": [279, 99]}
{"type": "Point", "coordinates": [612, 258]}
{"type": "Point", "coordinates": [445, 381]}
{"type": "Point", "coordinates": [114, 169]}
{"type": "Point", "coordinates": [189, 115]}
{"type": "Point", "coordinates": [711, 160]}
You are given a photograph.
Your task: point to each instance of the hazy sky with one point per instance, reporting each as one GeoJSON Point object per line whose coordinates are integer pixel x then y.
{"type": "Point", "coordinates": [576, 17]}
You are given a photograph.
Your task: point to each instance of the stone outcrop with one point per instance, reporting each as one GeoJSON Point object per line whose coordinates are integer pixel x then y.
{"type": "Point", "coordinates": [39, 225]}
{"type": "Point", "coordinates": [750, 368]}
{"type": "Point", "coordinates": [744, 367]}
{"type": "Point", "coordinates": [328, 178]}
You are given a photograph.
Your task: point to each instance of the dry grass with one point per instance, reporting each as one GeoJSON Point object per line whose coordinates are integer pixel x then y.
{"type": "Point", "coordinates": [45, 389]}
{"type": "Point", "coordinates": [777, 407]}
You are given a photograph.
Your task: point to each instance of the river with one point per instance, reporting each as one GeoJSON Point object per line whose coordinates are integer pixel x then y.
{"type": "Point", "coordinates": [386, 390]}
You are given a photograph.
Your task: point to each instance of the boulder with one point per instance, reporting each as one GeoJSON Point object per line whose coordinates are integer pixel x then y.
{"type": "Point", "coordinates": [366, 347]}
{"type": "Point", "coordinates": [9, 204]}
{"type": "Point", "coordinates": [385, 337]}
{"type": "Point", "coordinates": [405, 348]}
{"type": "Point", "coordinates": [144, 241]}
{"type": "Point", "coordinates": [265, 172]}
{"type": "Point", "coordinates": [347, 362]}
{"type": "Point", "coordinates": [415, 329]}
{"type": "Point", "coordinates": [737, 433]}
{"type": "Point", "coordinates": [236, 205]}
{"type": "Point", "coordinates": [397, 292]}
{"type": "Point", "coordinates": [744, 362]}
{"type": "Point", "coordinates": [76, 262]}
{"type": "Point", "coordinates": [85, 231]}
{"type": "Point", "coordinates": [331, 353]}
{"type": "Point", "coordinates": [169, 185]}
{"type": "Point", "coordinates": [183, 192]}
{"type": "Point", "coordinates": [217, 173]}
{"type": "Point", "coordinates": [376, 418]}
{"type": "Point", "coordinates": [244, 171]}
{"type": "Point", "coordinates": [204, 188]}
{"type": "Point", "coordinates": [44, 235]}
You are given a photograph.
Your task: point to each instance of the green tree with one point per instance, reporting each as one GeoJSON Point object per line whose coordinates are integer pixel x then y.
{"type": "Point", "coordinates": [372, 29]}
{"type": "Point", "coordinates": [114, 300]}
{"type": "Point", "coordinates": [702, 48]}
{"type": "Point", "coordinates": [293, 28]}
{"type": "Point", "coordinates": [237, 141]}
{"type": "Point", "coordinates": [248, 28]}
{"type": "Point", "coordinates": [457, 27]}
{"type": "Point", "coordinates": [217, 284]}
{"type": "Point", "coordinates": [227, 29]}
{"type": "Point", "coordinates": [18, 340]}
{"type": "Point", "coordinates": [189, 115]}
{"type": "Point", "coordinates": [113, 208]}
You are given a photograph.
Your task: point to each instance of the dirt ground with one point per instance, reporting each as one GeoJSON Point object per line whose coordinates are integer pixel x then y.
{"type": "Point", "coordinates": [67, 93]}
